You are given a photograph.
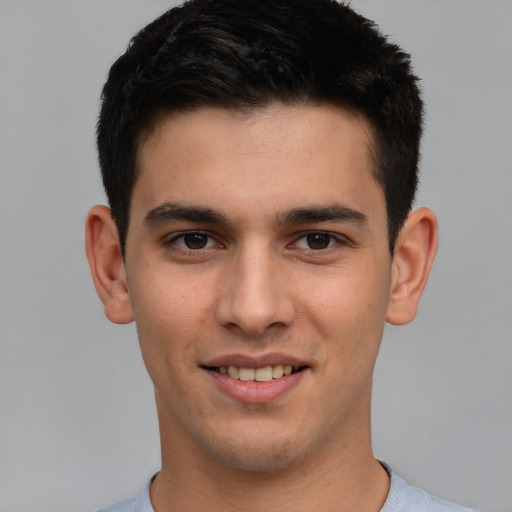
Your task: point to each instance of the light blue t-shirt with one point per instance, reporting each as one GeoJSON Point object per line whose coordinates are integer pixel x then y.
{"type": "Point", "coordinates": [401, 498]}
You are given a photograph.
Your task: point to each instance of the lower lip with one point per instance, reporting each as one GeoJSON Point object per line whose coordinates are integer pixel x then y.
{"type": "Point", "coordinates": [253, 392]}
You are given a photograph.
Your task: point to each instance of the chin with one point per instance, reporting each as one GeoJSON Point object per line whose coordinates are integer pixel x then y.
{"type": "Point", "coordinates": [259, 461]}
{"type": "Point", "coordinates": [261, 452]}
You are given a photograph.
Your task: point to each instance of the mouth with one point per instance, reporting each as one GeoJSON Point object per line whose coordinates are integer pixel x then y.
{"type": "Point", "coordinates": [256, 380]}
{"type": "Point", "coordinates": [263, 374]}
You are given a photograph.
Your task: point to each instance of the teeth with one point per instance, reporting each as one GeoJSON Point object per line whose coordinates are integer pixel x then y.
{"type": "Point", "coordinates": [260, 374]}
{"type": "Point", "coordinates": [232, 372]}
{"type": "Point", "coordinates": [246, 374]}
{"type": "Point", "coordinates": [263, 374]}
{"type": "Point", "coordinates": [277, 371]}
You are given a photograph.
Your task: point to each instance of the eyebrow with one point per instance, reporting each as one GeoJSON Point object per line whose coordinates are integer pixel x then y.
{"type": "Point", "coordinates": [333, 212]}
{"type": "Point", "coordinates": [169, 212]}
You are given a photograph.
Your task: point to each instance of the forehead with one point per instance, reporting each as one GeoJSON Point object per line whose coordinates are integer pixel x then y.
{"type": "Point", "coordinates": [277, 156]}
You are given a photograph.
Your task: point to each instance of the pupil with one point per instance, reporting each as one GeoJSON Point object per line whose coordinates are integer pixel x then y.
{"type": "Point", "coordinates": [318, 240]}
{"type": "Point", "coordinates": [195, 240]}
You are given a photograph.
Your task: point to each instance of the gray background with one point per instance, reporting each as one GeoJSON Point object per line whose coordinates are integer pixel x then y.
{"type": "Point", "coordinates": [77, 423]}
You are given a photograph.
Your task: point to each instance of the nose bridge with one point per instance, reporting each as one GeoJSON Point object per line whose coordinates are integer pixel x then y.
{"type": "Point", "coordinates": [253, 294]}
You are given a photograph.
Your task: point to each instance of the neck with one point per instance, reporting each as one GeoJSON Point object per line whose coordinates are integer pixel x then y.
{"type": "Point", "coordinates": [341, 476]}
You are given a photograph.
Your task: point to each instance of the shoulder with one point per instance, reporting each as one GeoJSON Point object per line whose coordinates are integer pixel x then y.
{"type": "Point", "coordinates": [140, 503]}
{"type": "Point", "coordinates": [123, 506]}
{"type": "Point", "coordinates": [404, 498]}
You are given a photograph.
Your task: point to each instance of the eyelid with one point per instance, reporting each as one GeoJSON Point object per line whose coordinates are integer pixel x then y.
{"type": "Point", "coordinates": [180, 235]}
{"type": "Point", "coordinates": [337, 238]}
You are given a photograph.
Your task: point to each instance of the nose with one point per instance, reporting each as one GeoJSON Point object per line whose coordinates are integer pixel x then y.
{"type": "Point", "coordinates": [254, 294]}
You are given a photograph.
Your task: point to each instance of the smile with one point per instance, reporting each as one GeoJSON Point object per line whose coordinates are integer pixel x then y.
{"type": "Point", "coordinates": [256, 382]}
{"type": "Point", "coordinates": [265, 374]}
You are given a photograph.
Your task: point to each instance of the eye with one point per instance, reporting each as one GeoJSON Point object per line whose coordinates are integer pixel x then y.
{"type": "Point", "coordinates": [316, 241]}
{"type": "Point", "coordinates": [193, 240]}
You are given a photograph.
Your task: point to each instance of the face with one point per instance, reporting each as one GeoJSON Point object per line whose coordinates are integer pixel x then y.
{"type": "Point", "coordinates": [258, 270]}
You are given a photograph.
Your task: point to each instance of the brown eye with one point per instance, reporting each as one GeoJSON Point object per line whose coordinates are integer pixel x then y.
{"type": "Point", "coordinates": [318, 241]}
{"type": "Point", "coordinates": [195, 240]}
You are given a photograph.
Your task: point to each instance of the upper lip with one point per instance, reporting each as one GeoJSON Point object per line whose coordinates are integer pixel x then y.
{"type": "Point", "coordinates": [250, 361]}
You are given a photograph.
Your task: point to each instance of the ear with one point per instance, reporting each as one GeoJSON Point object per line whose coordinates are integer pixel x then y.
{"type": "Point", "coordinates": [106, 263]}
{"type": "Point", "coordinates": [414, 254]}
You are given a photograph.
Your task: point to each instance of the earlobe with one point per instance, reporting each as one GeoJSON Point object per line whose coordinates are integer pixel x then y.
{"type": "Point", "coordinates": [106, 263]}
{"type": "Point", "coordinates": [414, 255]}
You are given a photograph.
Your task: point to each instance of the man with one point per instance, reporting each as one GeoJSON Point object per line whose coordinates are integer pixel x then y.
{"type": "Point", "coordinates": [260, 160]}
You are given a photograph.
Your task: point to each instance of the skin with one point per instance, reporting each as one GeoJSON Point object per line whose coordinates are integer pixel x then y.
{"type": "Point", "coordinates": [219, 264]}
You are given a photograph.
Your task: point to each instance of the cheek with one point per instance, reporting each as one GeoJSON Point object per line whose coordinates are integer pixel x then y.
{"type": "Point", "coordinates": [171, 314]}
{"type": "Point", "coordinates": [348, 308]}
{"type": "Point", "coordinates": [170, 297]}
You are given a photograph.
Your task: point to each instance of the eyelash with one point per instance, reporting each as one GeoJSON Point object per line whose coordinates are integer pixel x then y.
{"type": "Point", "coordinates": [181, 236]}
{"type": "Point", "coordinates": [332, 241]}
